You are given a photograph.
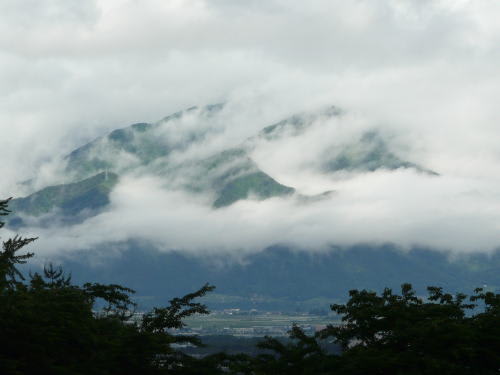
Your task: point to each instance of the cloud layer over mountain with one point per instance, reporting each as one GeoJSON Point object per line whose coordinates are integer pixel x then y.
{"type": "Point", "coordinates": [422, 72]}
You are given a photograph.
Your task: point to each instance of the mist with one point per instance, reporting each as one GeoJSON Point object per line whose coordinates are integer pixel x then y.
{"type": "Point", "coordinates": [422, 73]}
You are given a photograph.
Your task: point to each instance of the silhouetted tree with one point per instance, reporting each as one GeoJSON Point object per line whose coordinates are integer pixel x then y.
{"type": "Point", "coordinates": [48, 324]}
{"type": "Point", "coordinates": [397, 334]}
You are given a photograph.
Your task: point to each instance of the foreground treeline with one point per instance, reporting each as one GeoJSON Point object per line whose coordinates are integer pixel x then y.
{"type": "Point", "coordinates": [48, 325]}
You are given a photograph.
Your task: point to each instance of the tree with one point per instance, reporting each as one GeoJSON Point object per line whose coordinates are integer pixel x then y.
{"type": "Point", "coordinates": [48, 325]}
{"type": "Point", "coordinates": [9, 274]}
{"type": "Point", "coordinates": [398, 334]}
{"type": "Point", "coordinates": [405, 334]}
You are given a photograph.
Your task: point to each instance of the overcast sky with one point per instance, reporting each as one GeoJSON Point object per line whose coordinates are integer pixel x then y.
{"type": "Point", "coordinates": [71, 70]}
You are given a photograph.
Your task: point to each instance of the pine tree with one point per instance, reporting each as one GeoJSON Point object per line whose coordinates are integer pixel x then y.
{"type": "Point", "coordinates": [9, 274]}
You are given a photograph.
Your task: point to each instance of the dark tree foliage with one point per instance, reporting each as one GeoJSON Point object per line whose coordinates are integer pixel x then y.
{"type": "Point", "coordinates": [48, 325]}
{"type": "Point", "coordinates": [397, 334]}
{"type": "Point", "coordinates": [8, 257]}
{"type": "Point", "coordinates": [303, 356]}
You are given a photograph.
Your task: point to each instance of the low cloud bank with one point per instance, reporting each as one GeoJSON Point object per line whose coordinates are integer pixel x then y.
{"type": "Point", "coordinates": [401, 207]}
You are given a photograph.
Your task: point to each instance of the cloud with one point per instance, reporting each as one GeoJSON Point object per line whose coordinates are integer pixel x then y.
{"type": "Point", "coordinates": [426, 72]}
{"type": "Point", "coordinates": [401, 207]}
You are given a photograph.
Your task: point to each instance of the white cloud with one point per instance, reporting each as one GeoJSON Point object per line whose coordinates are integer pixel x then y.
{"type": "Point", "coordinates": [425, 71]}
{"type": "Point", "coordinates": [401, 207]}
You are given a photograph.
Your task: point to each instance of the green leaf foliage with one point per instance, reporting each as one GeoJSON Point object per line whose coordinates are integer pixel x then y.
{"type": "Point", "coordinates": [399, 334]}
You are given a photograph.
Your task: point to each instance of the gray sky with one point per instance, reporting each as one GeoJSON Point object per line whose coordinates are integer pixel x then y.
{"type": "Point", "coordinates": [71, 70]}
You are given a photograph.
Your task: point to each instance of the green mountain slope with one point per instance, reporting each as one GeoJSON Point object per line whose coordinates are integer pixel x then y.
{"type": "Point", "coordinates": [137, 145]}
{"type": "Point", "coordinates": [258, 184]}
{"type": "Point", "coordinates": [132, 145]}
{"type": "Point", "coordinates": [368, 154]}
{"type": "Point", "coordinates": [70, 199]}
{"type": "Point", "coordinates": [233, 176]}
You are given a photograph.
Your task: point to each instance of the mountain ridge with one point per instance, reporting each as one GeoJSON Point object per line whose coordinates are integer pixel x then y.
{"type": "Point", "coordinates": [229, 175]}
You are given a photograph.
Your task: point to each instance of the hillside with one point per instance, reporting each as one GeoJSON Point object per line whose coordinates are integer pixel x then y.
{"type": "Point", "coordinates": [228, 175]}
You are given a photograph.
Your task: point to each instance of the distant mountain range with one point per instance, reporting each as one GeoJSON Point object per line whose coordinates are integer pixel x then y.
{"type": "Point", "coordinates": [283, 279]}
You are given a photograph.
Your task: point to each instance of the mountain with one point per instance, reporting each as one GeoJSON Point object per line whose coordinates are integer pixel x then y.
{"type": "Point", "coordinates": [370, 153]}
{"type": "Point", "coordinates": [298, 124]}
{"type": "Point", "coordinates": [69, 198]}
{"type": "Point", "coordinates": [126, 149]}
{"type": "Point", "coordinates": [227, 175]}
{"type": "Point", "coordinates": [173, 150]}
{"type": "Point", "coordinates": [67, 201]}
{"type": "Point", "coordinates": [279, 278]}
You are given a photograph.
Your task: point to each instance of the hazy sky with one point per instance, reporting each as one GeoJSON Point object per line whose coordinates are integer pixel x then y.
{"type": "Point", "coordinates": [71, 70]}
